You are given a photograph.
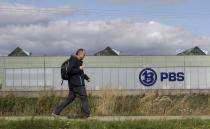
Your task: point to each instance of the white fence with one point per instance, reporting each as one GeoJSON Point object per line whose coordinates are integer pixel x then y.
{"type": "Point", "coordinates": [120, 78]}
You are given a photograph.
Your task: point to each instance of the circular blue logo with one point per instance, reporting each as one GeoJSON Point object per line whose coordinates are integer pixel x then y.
{"type": "Point", "coordinates": [148, 77]}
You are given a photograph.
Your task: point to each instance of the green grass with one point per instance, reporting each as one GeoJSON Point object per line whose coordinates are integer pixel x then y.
{"type": "Point", "coordinates": [109, 104]}
{"type": "Point", "coordinates": [132, 124]}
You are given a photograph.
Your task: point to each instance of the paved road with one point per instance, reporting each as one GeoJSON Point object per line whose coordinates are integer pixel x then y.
{"type": "Point", "coordinates": [107, 118]}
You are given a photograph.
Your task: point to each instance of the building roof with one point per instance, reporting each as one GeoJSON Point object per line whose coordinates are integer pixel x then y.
{"type": "Point", "coordinates": [193, 51]}
{"type": "Point", "coordinates": [19, 52]}
{"type": "Point", "coordinates": [108, 51]}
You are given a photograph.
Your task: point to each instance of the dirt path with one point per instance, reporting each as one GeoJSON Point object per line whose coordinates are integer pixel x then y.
{"type": "Point", "coordinates": [107, 118]}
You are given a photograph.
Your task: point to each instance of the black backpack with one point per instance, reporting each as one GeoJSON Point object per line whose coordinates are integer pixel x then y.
{"type": "Point", "coordinates": [64, 71]}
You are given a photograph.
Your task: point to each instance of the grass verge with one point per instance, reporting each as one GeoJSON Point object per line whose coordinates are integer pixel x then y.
{"type": "Point", "coordinates": [132, 124]}
{"type": "Point", "coordinates": [110, 104]}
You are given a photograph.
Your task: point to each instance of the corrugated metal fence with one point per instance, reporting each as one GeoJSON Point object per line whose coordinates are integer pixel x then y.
{"type": "Point", "coordinates": [117, 72]}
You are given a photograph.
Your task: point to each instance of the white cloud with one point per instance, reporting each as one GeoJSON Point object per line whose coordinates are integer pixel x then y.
{"type": "Point", "coordinates": [130, 38]}
{"type": "Point", "coordinates": [24, 14]}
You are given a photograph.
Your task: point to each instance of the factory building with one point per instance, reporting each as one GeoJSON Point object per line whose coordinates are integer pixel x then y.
{"type": "Point", "coordinates": [120, 72]}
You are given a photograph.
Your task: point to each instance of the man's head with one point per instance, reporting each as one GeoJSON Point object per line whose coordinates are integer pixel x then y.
{"type": "Point", "coordinates": [80, 54]}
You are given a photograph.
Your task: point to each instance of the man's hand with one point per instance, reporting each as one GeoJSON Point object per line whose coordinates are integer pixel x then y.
{"type": "Point", "coordinates": [81, 67]}
{"type": "Point", "coordinates": [88, 80]}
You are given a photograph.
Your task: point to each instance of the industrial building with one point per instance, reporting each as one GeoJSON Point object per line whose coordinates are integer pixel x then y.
{"type": "Point", "coordinates": [31, 73]}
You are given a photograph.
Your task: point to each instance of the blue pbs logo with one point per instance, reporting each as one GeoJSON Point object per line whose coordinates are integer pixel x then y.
{"type": "Point", "coordinates": [148, 77]}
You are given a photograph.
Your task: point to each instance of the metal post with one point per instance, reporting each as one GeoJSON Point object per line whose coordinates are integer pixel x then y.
{"type": "Point", "coordinates": [44, 75]}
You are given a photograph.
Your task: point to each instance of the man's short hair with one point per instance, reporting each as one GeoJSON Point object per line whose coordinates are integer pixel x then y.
{"type": "Point", "coordinates": [80, 50]}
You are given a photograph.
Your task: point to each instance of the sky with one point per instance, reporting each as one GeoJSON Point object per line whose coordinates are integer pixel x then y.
{"type": "Point", "coordinates": [134, 27]}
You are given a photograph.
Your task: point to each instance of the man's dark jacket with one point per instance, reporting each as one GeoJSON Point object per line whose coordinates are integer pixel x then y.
{"type": "Point", "coordinates": [77, 76]}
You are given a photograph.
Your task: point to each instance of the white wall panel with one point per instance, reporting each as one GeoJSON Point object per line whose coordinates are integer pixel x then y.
{"type": "Point", "coordinates": [49, 76]}
{"type": "Point", "coordinates": [40, 76]}
{"type": "Point", "coordinates": [25, 77]}
{"type": "Point", "coordinates": [9, 77]}
{"type": "Point", "coordinates": [187, 82]}
{"type": "Point", "coordinates": [97, 78]}
{"type": "Point", "coordinates": [17, 77]}
{"type": "Point", "coordinates": [33, 77]}
{"type": "Point", "coordinates": [91, 74]}
{"type": "Point", "coordinates": [136, 79]}
{"type": "Point", "coordinates": [130, 78]}
{"type": "Point", "coordinates": [202, 77]}
{"type": "Point", "coordinates": [194, 78]}
{"type": "Point", "coordinates": [121, 78]}
{"type": "Point", "coordinates": [208, 77]}
{"type": "Point", "coordinates": [114, 77]}
{"type": "Point", "coordinates": [106, 73]}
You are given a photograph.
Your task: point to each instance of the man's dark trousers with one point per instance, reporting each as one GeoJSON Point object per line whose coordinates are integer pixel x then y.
{"type": "Point", "coordinates": [79, 91]}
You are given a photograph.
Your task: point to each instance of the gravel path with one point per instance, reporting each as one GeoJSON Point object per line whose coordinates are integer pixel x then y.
{"type": "Point", "coordinates": [106, 118]}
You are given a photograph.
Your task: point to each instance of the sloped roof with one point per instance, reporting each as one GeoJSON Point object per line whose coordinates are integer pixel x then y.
{"type": "Point", "coordinates": [19, 52]}
{"type": "Point", "coordinates": [193, 51]}
{"type": "Point", "coordinates": [108, 51]}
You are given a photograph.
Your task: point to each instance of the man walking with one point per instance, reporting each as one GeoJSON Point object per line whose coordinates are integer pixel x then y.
{"type": "Point", "coordinates": [76, 84]}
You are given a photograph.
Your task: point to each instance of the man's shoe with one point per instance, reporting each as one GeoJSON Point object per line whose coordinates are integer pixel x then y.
{"type": "Point", "coordinates": [89, 117]}
{"type": "Point", "coordinates": [55, 116]}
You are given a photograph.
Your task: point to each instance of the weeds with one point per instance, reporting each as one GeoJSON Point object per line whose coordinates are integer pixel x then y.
{"type": "Point", "coordinates": [110, 103]}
